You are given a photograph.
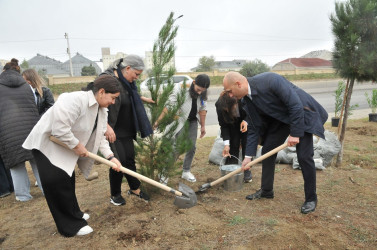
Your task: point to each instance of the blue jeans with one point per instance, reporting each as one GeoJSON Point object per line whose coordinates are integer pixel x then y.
{"type": "Point", "coordinates": [21, 180]}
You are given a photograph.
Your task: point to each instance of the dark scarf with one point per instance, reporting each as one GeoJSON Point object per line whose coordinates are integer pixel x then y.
{"type": "Point", "coordinates": [141, 120]}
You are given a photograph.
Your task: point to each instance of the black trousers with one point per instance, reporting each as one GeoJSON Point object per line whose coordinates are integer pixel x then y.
{"type": "Point", "coordinates": [59, 190]}
{"type": "Point", "coordinates": [6, 183]}
{"type": "Point", "coordinates": [126, 152]}
{"type": "Point", "coordinates": [274, 134]}
{"type": "Point", "coordinates": [237, 138]}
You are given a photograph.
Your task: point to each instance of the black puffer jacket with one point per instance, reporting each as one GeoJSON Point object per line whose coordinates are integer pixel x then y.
{"type": "Point", "coordinates": [18, 115]}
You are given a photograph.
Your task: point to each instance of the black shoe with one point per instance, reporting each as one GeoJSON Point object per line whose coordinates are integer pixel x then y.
{"type": "Point", "coordinates": [117, 200]}
{"type": "Point", "coordinates": [247, 177]}
{"type": "Point", "coordinates": [142, 195]}
{"type": "Point", "coordinates": [308, 207]}
{"type": "Point", "coordinates": [261, 194]}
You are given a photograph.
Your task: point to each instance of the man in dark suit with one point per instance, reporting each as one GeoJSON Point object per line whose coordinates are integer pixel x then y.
{"type": "Point", "coordinates": [277, 109]}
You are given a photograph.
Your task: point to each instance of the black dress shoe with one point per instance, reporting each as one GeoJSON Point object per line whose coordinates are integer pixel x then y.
{"type": "Point", "coordinates": [308, 206]}
{"type": "Point", "coordinates": [261, 194]}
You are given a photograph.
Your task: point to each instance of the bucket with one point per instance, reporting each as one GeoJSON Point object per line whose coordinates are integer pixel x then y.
{"type": "Point", "coordinates": [235, 182]}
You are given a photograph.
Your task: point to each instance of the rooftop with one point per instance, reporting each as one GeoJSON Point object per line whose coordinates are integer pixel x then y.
{"type": "Point", "coordinates": [308, 62]}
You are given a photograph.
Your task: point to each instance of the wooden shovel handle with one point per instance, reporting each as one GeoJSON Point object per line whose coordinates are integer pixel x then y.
{"type": "Point", "coordinates": [259, 159]}
{"type": "Point", "coordinates": [122, 169]}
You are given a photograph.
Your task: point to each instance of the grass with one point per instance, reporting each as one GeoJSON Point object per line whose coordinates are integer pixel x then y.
{"type": "Point", "coordinates": [312, 76]}
{"type": "Point", "coordinates": [359, 234]}
{"type": "Point", "coordinates": [66, 87]}
{"type": "Point", "coordinates": [271, 222]}
{"type": "Point", "coordinates": [218, 80]}
{"type": "Point", "coordinates": [215, 81]}
{"type": "Point", "coordinates": [237, 220]}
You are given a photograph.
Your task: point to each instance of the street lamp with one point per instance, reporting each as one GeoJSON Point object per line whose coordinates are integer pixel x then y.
{"type": "Point", "coordinates": [178, 17]}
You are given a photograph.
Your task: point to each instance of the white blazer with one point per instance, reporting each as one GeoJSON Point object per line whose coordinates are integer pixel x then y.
{"type": "Point", "coordinates": [184, 112]}
{"type": "Point", "coordinates": [71, 120]}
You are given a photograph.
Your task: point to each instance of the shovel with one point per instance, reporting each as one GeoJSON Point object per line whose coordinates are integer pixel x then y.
{"type": "Point", "coordinates": [185, 197]}
{"type": "Point", "coordinates": [205, 186]}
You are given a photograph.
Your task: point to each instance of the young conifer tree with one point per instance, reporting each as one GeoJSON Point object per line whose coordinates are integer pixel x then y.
{"type": "Point", "coordinates": [158, 154]}
{"type": "Point", "coordinates": [354, 26]}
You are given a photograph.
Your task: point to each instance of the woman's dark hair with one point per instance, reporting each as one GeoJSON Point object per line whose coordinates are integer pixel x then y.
{"type": "Point", "coordinates": [227, 105]}
{"type": "Point", "coordinates": [13, 64]}
{"type": "Point", "coordinates": [106, 82]}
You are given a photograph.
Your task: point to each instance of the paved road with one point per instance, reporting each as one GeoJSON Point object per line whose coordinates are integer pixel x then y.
{"type": "Point", "coordinates": [322, 91]}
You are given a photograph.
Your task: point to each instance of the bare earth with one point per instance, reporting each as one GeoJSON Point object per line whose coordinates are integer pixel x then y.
{"type": "Point", "coordinates": [346, 216]}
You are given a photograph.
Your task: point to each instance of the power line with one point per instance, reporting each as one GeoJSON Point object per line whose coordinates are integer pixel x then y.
{"type": "Point", "coordinates": [241, 33]}
{"type": "Point", "coordinates": [178, 40]}
{"type": "Point", "coordinates": [36, 40]}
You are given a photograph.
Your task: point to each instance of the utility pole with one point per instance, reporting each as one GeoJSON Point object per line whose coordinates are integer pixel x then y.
{"type": "Point", "coordinates": [69, 53]}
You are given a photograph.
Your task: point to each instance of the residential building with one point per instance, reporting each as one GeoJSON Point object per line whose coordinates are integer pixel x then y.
{"type": "Point", "coordinates": [108, 59]}
{"type": "Point", "coordinates": [221, 66]}
{"type": "Point", "coordinates": [322, 54]}
{"type": "Point", "coordinates": [148, 61]}
{"type": "Point", "coordinates": [296, 66]}
{"type": "Point", "coordinates": [78, 62]}
{"type": "Point", "coordinates": [55, 68]}
{"type": "Point", "coordinates": [2, 63]}
{"type": "Point", "coordinates": [48, 66]}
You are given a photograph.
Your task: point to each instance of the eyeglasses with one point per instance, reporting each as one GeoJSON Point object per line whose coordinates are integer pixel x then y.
{"type": "Point", "coordinates": [137, 74]}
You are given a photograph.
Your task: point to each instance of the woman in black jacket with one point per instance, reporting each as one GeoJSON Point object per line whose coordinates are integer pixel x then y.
{"type": "Point", "coordinates": [233, 127]}
{"type": "Point", "coordinates": [18, 115]}
{"type": "Point", "coordinates": [127, 117]}
{"type": "Point", "coordinates": [42, 94]}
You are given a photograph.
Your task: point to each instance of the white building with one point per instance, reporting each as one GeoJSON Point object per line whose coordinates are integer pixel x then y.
{"type": "Point", "coordinates": [148, 61]}
{"type": "Point", "coordinates": [108, 59]}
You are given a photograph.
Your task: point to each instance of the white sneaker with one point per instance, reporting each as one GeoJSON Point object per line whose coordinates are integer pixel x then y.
{"type": "Point", "coordinates": [86, 216]}
{"type": "Point", "coordinates": [85, 230]}
{"type": "Point", "coordinates": [92, 176]}
{"type": "Point", "coordinates": [187, 175]}
{"type": "Point", "coordinates": [36, 184]}
{"type": "Point", "coordinates": [164, 180]}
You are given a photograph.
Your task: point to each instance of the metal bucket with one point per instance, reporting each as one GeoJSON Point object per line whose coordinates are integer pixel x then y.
{"type": "Point", "coordinates": [235, 182]}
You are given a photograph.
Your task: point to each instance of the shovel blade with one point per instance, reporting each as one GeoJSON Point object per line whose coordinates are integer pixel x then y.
{"type": "Point", "coordinates": [188, 198]}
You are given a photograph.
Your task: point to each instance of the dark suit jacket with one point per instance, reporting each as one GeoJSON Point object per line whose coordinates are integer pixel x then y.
{"type": "Point", "coordinates": [275, 96]}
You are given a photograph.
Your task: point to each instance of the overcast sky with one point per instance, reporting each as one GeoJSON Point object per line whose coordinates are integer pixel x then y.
{"type": "Point", "coordinates": [269, 30]}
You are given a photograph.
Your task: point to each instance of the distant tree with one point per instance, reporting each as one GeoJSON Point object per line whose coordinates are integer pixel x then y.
{"type": "Point", "coordinates": [205, 64]}
{"type": "Point", "coordinates": [253, 68]}
{"type": "Point", "coordinates": [24, 64]}
{"type": "Point", "coordinates": [88, 71]}
{"type": "Point", "coordinates": [354, 26]}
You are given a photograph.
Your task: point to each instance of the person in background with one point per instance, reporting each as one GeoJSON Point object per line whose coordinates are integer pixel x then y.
{"type": "Point", "coordinates": [194, 110]}
{"type": "Point", "coordinates": [43, 95]}
{"type": "Point", "coordinates": [278, 109]}
{"type": "Point", "coordinates": [18, 115]}
{"type": "Point", "coordinates": [79, 120]}
{"type": "Point", "coordinates": [233, 127]}
{"type": "Point", "coordinates": [127, 117]}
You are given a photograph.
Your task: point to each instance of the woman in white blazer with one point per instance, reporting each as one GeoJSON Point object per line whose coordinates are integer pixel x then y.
{"type": "Point", "coordinates": [79, 120]}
